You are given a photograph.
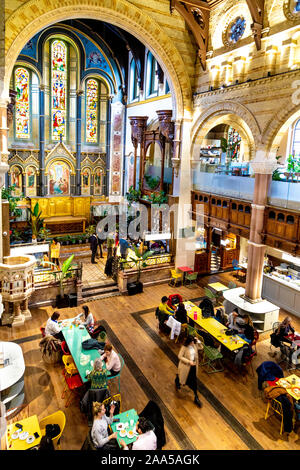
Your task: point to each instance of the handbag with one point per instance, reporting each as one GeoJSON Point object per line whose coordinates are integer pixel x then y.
{"type": "Point", "coordinates": [52, 430]}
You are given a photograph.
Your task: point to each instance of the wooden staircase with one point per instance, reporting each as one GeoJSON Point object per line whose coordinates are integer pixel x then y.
{"type": "Point", "coordinates": [101, 290]}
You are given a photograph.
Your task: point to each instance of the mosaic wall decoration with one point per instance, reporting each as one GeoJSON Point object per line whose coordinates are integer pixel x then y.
{"type": "Point", "coordinates": [59, 89]}
{"type": "Point", "coordinates": [59, 179]}
{"type": "Point", "coordinates": [116, 150]}
{"type": "Point", "coordinates": [22, 106]}
{"type": "Point", "coordinates": [85, 181]}
{"type": "Point", "coordinates": [92, 104]}
{"type": "Point", "coordinates": [30, 181]}
{"type": "Point", "coordinates": [16, 180]}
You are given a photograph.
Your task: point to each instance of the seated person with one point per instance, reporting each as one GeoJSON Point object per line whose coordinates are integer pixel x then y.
{"type": "Point", "coordinates": [88, 319]}
{"type": "Point", "coordinates": [247, 332]}
{"type": "Point", "coordinates": [181, 314]}
{"type": "Point", "coordinates": [147, 439]}
{"type": "Point", "coordinates": [231, 324]}
{"type": "Point", "coordinates": [285, 332]}
{"type": "Point", "coordinates": [164, 308]}
{"type": "Point", "coordinates": [98, 376]}
{"type": "Point", "coordinates": [53, 328]}
{"type": "Point", "coordinates": [99, 433]}
{"type": "Point", "coordinates": [112, 360]}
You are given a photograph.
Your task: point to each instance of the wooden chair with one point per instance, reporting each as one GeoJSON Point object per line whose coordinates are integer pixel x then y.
{"type": "Point", "coordinates": [183, 332]}
{"type": "Point", "coordinates": [277, 408]}
{"type": "Point", "coordinates": [59, 418]}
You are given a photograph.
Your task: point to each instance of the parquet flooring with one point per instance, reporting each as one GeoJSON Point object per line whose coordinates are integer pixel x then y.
{"type": "Point", "coordinates": [232, 416]}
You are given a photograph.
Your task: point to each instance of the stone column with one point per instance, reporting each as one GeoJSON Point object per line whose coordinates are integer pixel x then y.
{"type": "Point", "coordinates": [19, 318]}
{"type": "Point", "coordinates": [78, 143]}
{"type": "Point", "coordinates": [263, 170]}
{"type": "Point", "coordinates": [25, 310]}
{"type": "Point", "coordinates": [3, 156]}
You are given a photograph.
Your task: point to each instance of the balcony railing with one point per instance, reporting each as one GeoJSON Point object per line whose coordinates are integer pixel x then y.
{"type": "Point", "coordinates": [151, 261]}
{"type": "Point", "coordinates": [52, 277]}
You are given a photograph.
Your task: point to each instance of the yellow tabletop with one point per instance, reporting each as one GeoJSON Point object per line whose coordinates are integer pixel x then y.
{"type": "Point", "coordinates": [30, 425]}
{"type": "Point", "coordinates": [218, 286]}
{"type": "Point", "coordinates": [214, 328]}
{"type": "Point", "coordinates": [292, 385]}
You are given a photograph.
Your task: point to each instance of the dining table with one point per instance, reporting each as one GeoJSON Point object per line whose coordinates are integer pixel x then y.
{"type": "Point", "coordinates": [74, 335]}
{"type": "Point", "coordinates": [125, 422]}
{"type": "Point", "coordinates": [23, 438]}
{"type": "Point", "coordinates": [185, 270]}
{"type": "Point", "coordinates": [217, 286]}
{"type": "Point", "coordinates": [214, 328]}
{"type": "Point", "coordinates": [291, 384]}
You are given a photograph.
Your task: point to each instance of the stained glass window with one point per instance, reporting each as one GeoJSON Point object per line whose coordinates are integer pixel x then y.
{"type": "Point", "coordinates": [92, 105]}
{"type": "Point", "coordinates": [22, 103]}
{"type": "Point", "coordinates": [59, 89]}
{"type": "Point", "coordinates": [234, 142]}
{"type": "Point", "coordinates": [237, 29]}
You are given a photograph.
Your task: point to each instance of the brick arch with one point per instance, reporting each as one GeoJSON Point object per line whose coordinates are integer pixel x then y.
{"type": "Point", "coordinates": [35, 15]}
{"type": "Point", "coordinates": [229, 113]}
{"type": "Point", "coordinates": [277, 127]}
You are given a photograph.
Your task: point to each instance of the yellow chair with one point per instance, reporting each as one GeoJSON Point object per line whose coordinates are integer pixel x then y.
{"type": "Point", "coordinates": [59, 418]}
{"type": "Point", "coordinates": [69, 364]}
{"type": "Point", "coordinates": [183, 332]}
{"type": "Point", "coordinates": [277, 408]}
{"type": "Point", "coordinates": [176, 279]}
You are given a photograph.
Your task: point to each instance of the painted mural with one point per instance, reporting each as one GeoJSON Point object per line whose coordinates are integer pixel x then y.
{"type": "Point", "coordinates": [31, 181]}
{"type": "Point", "coordinates": [97, 182]}
{"type": "Point", "coordinates": [16, 180]}
{"type": "Point", "coordinates": [85, 181]}
{"type": "Point", "coordinates": [22, 103]}
{"type": "Point", "coordinates": [59, 179]}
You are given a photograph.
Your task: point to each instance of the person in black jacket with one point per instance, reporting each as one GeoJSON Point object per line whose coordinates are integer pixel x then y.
{"type": "Point", "coordinates": [94, 246]}
{"type": "Point", "coordinates": [100, 243]}
{"type": "Point", "coordinates": [181, 314]}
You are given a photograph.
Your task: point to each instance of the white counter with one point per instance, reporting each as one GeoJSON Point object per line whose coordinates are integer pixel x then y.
{"type": "Point", "coordinates": [286, 294]}
{"type": "Point", "coordinates": [263, 313]}
{"type": "Point", "coordinates": [11, 376]}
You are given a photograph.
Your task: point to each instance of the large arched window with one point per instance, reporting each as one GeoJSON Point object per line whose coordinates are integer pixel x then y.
{"type": "Point", "coordinates": [92, 111]}
{"type": "Point", "coordinates": [152, 80]}
{"type": "Point", "coordinates": [59, 74]}
{"type": "Point", "coordinates": [133, 81]}
{"type": "Point", "coordinates": [22, 109]}
{"type": "Point", "coordinates": [296, 139]}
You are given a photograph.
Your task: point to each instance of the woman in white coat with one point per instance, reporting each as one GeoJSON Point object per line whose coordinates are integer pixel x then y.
{"type": "Point", "coordinates": [188, 366]}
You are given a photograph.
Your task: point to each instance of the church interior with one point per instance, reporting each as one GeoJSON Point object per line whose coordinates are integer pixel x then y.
{"type": "Point", "coordinates": [150, 151]}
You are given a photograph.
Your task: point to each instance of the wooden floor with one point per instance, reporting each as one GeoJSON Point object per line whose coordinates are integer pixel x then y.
{"type": "Point", "coordinates": [232, 416]}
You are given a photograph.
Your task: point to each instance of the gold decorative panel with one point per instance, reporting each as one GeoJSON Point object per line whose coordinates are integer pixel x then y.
{"type": "Point", "coordinates": [63, 206]}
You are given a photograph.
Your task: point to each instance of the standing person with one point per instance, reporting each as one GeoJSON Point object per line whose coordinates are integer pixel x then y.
{"type": "Point", "coordinates": [124, 245]}
{"type": "Point", "coordinates": [53, 328]}
{"type": "Point", "coordinates": [55, 251]}
{"type": "Point", "coordinates": [110, 244]}
{"type": "Point", "coordinates": [100, 243]}
{"type": "Point", "coordinates": [113, 363]}
{"type": "Point", "coordinates": [93, 245]}
{"type": "Point", "coordinates": [99, 432]}
{"type": "Point", "coordinates": [188, 366]}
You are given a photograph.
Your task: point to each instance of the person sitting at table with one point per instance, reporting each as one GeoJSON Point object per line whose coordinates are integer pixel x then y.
{"type": "Point", "coordinates": [235, 321]}
{"type": "Point", "coordinates": [112, 360]}
{"type": "Point", "coordinates": [164, 308]}
{"type": "Point", "coordinates": [163, 312]}
{"type": "Point", "coordinates": [188, 366]}
{"type": "Point", "coordinates": [285, 331]}
{"type": "Point", "coordinates": [247, 328]}
{"type": "Point", "coordinates": [181, 313]}
{"type": "Point", "coordinates": [99, 432]}
{"type": "Point", "coordinates": [53, 328]}
{"type": "Point", "coordinates": [98, 376]}
{"type": "Point", "coordinates": [88, 319]}
{"type": "Point", "coordinates": [146, 440]}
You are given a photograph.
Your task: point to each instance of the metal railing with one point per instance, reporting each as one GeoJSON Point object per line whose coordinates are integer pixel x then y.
{"type": "Point", "coordinates": [53, 277]}
{"type": "Point", "coordinates": [157, 260]}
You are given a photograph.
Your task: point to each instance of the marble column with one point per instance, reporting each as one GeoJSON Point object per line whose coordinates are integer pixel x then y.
{"type": "Point", "coordinates": [78, 143]}
{"type": "Point", "coordinates": [3, 156]}
{"type": "Point", "coordinates": [263, 169]}
{"type": "Point", "coordinates": [42, 185]}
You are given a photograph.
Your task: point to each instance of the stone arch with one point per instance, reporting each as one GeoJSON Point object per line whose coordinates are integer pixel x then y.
{"type": "Point", "coordinates": [228, 113]}
{"type": "Point", "coordinates": [35, 15]}
{"type": "Point", "coordinates": [277, 127]}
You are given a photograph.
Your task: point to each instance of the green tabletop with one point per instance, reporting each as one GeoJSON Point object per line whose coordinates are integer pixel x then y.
{"type": "Point", "coordinates": [126, 417]}
{"type": "Point", "coordinates": [74, 337]}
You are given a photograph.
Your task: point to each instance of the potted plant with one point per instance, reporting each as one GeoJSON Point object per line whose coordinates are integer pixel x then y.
{"type": "Point", "coordinates": [44, 233]}
{"type": "Point", "coordinates": [63, 300]}
{"type": "Point", "coordinates": [139, 261]}
{"type": "Point", "coordinates": [159, 199]}
{"type": "Point", "coordinates": [152, 182]}
{"type": "Point", "coordinates": [6, 194]}
{"type": "Point", "coordinates": [133, 195]}
{"type": "Point", "coordinates": [36, 222]}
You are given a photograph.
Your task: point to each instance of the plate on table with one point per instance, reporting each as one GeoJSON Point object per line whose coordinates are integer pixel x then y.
{"type": "Point", "coordinates": [30, 439]}
{"type": "Point", "coordinates": [81, 327]}
{"type": "Point", "coordinates": [284, 383]}
{"type": "Point", "coordinates": [296, 391]}
{"type": "Point", "coordinates": [130, 434]}
{"type": "Point", "coordinates": [23, 435]}
{"type": "Point", "coordinates": [119, 426]}
{"type": "Point", "coordinates": [15, 435]}
{"type": "Point", "coordinates": [123, 432]}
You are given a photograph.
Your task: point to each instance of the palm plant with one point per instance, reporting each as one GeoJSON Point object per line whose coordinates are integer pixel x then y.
{"type": "Point", "coordinates": [140, 260]}
{"type": "Point", "coordinates": [66, 271]}
{"type": "Point", "coordinates": [36, 221]}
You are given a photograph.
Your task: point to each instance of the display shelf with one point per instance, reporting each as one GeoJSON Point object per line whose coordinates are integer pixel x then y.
{"type": "Point", "coordinates": [13, 391]}
{"type": "Point", "coordinates": [15, 404]}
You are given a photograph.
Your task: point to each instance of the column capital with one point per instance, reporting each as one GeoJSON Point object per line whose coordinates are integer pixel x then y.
{"type": "Point", "coordinates": [79, 92]}
{"type": "Point", "coordinates": [263, 166]}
